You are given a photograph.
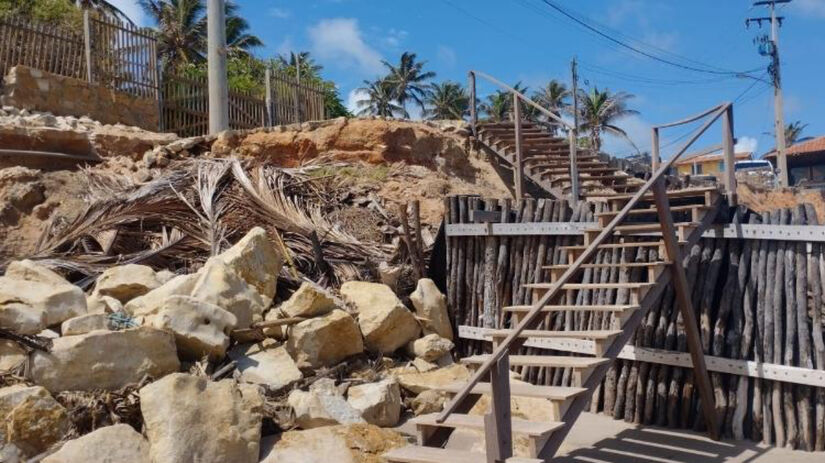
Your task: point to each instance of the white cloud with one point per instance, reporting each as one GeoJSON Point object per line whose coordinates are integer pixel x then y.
{"type": "Point", "coordinates": [352, 100]}
{"type": "Point", "coordinates": [446, 55]}
{"type": "Point", "coordinates": [746, 145]}
{"type": "Point", "coordinates": [810, 7]}
{"type": "Point", "coordinates": [280, 13]}
{"type": "Point", "coordinates": [131, 9]}
{"type": "Point", "coordinates": [395, 37]}
{"type": "Point", "coordinates": [285, 47]}
{"type": "Point", "coordinates": [340, 41]}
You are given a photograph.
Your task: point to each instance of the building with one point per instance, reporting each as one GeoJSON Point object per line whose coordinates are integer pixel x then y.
{"type": "Point", "coordinates": [706, 163]}
{"type": "Point", "coordinates": [806, 162]}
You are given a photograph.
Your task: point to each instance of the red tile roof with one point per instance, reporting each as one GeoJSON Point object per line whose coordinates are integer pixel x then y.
{"type": "Point", "coordinates": [806, 147]}
{"type": "Point", "coordinates": [711, 157]}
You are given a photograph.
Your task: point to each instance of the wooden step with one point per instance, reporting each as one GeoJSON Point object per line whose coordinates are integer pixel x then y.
{"type": "Point", "coordinates": [637, 244]}
{"type": "Point", "coordinates": [456, 420]}
{"type": "Point", "coordinates": [653, 268]}
{"type": "Point", "coordinates": [682, 229]}
{"type": "Point", "coordinates": [592, 178]}
{"type": "Point", "coordinates": [547, 361]}
{"type": "Point", "coordinates": [580, 286]}
{"type": "Point", "coordinates": [419, 454]}
{"type": "Point", "coordinates": [582, 170]}
{"type": "Point", "coordinates": [696, 211]}
{"type": "Point", "coordinates": [593, 335]}
{"type": "Point", "coordinates": [518, 389]}
{"type": "Point", "coordinates": [572, 308]}
{"type": "Point", "coordinates": [698, 192]}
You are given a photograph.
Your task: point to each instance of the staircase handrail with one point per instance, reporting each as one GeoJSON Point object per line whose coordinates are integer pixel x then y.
{"type": "Point", "coordinates": [532, 316]}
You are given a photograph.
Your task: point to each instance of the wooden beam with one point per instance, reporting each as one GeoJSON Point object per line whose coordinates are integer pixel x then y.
{"type": "Point", "coordinates": [518, 172]}
{"type": "Point", "coordinates": [498, 432]}
{"type": "Point", "coordinates": [730, 155]}
{"type": "Point", "coordinates": [680, 286]}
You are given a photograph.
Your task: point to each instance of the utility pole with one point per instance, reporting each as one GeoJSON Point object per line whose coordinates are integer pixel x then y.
{"type": "Point", "coordinates": [771, 49]}
{"type": "Point", "coordinates": [216, 55]}
{"type": "Point", "coordinates": [574, 134]}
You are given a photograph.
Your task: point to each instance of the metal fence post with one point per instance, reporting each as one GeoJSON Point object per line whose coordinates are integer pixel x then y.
{"type": "Point", "coordinates": [268, 84]}
{"type": "Point", "coordinates": [87, 43]}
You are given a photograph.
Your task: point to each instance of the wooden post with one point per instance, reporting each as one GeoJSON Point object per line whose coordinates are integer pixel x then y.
{"type": "Point", "coordinates": [683, 298]}
{"type": "Point", "coordinates": [498, 423]}
{"type": "Point", "coordinates": [87, 43]}
{"type": "Point", "coordinates": [654, 151]}
{"type": "Point", "coordinates": [730, 155]}
{"type": "Point", "coordinates": [518, 173]}
{"type": "Point", "coordinates": [574, 168]}
{"type": "Point", "coordinates": [268, 84]}
{"type": "Point", "coordinates": [473, 116]}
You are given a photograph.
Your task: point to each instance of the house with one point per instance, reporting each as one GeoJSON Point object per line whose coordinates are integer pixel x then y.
{"type": "Point", "coordinates": [706, 163]}
{"type": "Point", "coordinates": [806, 162]}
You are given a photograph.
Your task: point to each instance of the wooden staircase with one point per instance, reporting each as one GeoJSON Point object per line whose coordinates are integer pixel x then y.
{"type": "Point", "coordinates": [546, 161]}
{"type": "Point", "coordinates": [644, 225]}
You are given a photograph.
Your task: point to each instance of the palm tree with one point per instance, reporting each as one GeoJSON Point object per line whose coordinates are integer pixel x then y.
{"type": "Point", "coordinates": [238, 40]}
{"type": "Point", "coordinates": [407, 80]}
{"type": "Point", "coordinates": [553, 97]}
{"type": "Point", "coordinates": [499, 105]}
{"type": "Point", "coordinates": [447, 100]}
{"type": "Point", "coordinates": [105, 8]}
{"type": "Point", "coordinates": [793, 132]}
{"type": "Point", "coordinates": [379, 100]}
{"type": "Point", "coordinates": [309, 68]}
{"type": "Point", "coordinates": [598, 113]}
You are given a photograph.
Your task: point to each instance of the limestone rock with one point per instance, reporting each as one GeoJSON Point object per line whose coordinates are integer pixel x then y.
{"type": "Point", "coordinates": [431, 308]}
{"type": "Point", "coordinates": [105, 359]}
{"type": "Point", "coordinates": [200, 328]}
{"type": "Point", "coordinates": [379, 403]}
{"type": "Point", "coordinates": [11, 355]}
{"type": "Point", "coordinates": [308, 301]}
{"type": "Point", "coordinates": [28, 270]}
{"type": "Point", "coordinates": [430, 348]}
{"type": "Point", "coordinates": [191, 419]}
{"type": "Point", "coordinates": [152, 301]}
{"type": "Point", "coordinates": [265, 363]}
{"type": "Point", "coordinates": [430, 401]}
{"type": "Point", "coordinates": [126, 282]}
{"type": "Point", "coordinates": [322, 406]}
{"type": "Point", "coordinates": [417, 383]}
{"type": "Point", "coordinates": [256, 259]}
{"type": "Point", "coordinates": [28, 306]}
{"type": "Point", "coordinates": [84, 324]}
{"type": "Point", "coordinates": [422, 365]}
{"type": "Point", "coordinates": [384, 321]}
{"type": "Point", "coordinates": [31, 419]}
{"type": "Point", "coordinates": [220, 285]}
{"type": "Point", "coordinates": [325, 341]}
{"type": "Point", "coordinates": [354, 443]}
{"type": "Point", "coordinates": [98, 304]}
{"type": "Point", "coordinates": [119, 443]}
{"type": "Point", "coordinates": [389, 274]}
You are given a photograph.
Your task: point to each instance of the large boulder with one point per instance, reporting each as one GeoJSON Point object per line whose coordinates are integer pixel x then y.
{"type": "Point", "coordinates": [126, 282]}
{"type": "Point", "coordinates": [325, 341]}
{"type": "Point", "coordinates": [200, 328]}
{"type": "Point", "coordinates": [220, 285]}
{"type": "Point", "coordinates": [191, 419]}
{"type": "Point", "coordinates": [379, 403]}
{"type": "Point", "coordinates": [308, 301]}
{"type": "Point", "coordinates": [431, 308]}
{"type": "Point", "coordinates": [85, 324]}
{"type": "Point", "coordinates": [430, 348]}
{"type": "Point", "coordinates": [98, 304]}
{"type": "Point", "coordinates": [118, 443]}
{"type": "Point", "coordinates": [105, 359]}
{"type": "Point", "coordinates": [31, 419]}
{"type": "Point", "coordinates": [417, 383]}
{"type": "Point", "coordinates": [323, 405]}
{"type": "Point", "coordinates": [256, 259]}
{"type": "Point", "coordinates": [28, 270]}
{"type": "Point", "coordinates": [11, 355]}
{"type": "Point", "coordinates": [429, 401]}
{"type": "Point", "coordinates": [151, 302]}
{"type": "Point", "coordinates": [265, 363]}
{"type": "Point", "coordinates": [354, 443]}
{"type": "Point", "coordinates": [384, 321]}
{"type": "Point", "coordinates": [33, 297]}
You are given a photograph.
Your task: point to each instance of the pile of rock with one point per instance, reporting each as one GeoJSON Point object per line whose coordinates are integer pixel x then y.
{"type": "Point", "coordinates": [142, 327]}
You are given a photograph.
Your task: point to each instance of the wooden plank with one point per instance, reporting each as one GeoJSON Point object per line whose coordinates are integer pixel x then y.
{"type": "Point", "coordinates": [520, 426]}
{"type": "Point", "coordinates": [416, 454]}
{"type": "Point", "coordinates": [498, 428]}
{"type": "Point", "coordinates": [518, 172]}
{"type": "Point", "coordinates": [518, 389]}
{"type": "Point", "coordinates": [549, 361]}
{"type": "Point", "coordinates": [683, 299]}
{"type": "Point", "coordinates": [574, 307]}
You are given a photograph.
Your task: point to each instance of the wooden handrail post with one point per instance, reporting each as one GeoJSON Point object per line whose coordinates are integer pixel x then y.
{"type": "Point", "coordinates": [498, 423]}
{"type": "Point", "coordinates": [680, 285]}
{"type": "Point", "coordinates": [518, 174]}
{"type": "Point", "coordinates": [471, 77]}
{"type": "Point", "coordinates": [268, 85]}
{"type": "Point", "coordinates": [730, 155]}
{"type": "Point", "coordinates": [574, 168]}
{"type": "Point", "coordinates": [654, 150]}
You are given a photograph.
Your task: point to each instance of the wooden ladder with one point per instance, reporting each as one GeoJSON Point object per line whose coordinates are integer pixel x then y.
{"type": "Point", "coordinates": [650, 213]}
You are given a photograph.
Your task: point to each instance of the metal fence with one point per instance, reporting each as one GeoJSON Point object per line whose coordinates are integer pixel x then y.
{"type": "Point", "coordinates": [293, 101]}
{"type": "Point", "coordinates": [41, 46]}
{"type": "Point", "coordinates": [123, 57]}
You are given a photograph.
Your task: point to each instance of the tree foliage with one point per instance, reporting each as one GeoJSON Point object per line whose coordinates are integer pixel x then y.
{"type": "Point", "coordinates": [447, 100]}
{"type": "Point", "coordinates": [599, 111]}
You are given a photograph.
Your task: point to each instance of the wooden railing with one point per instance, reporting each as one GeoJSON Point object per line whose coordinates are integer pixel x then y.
{"type": "Point", "coordinates": [518, 99]}
{"type": "Point", "coordinates": [497, 364]}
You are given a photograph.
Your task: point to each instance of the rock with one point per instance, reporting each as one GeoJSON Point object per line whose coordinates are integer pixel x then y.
{"type": "Point", "coordinates": [430, 348]}
{"type": "Point", "coordinates": [97, 304]}
{"type": "Point", "coordinates": [255, 259]}
{"type": "Point", "coordinates": [126, 282]}
{"type": "Point", "coordinates": [164, 275]}
{"type": "Point", "coordinates": [200, 328]}
{"type": "Point", "coordinates": [28, 270]}
{"type": "Point", "coordinates": [152, 301]}
{"type": "Point", "coordinates": [325, 341]}
{"type": "Point", "coordinates": [11, 355]}
{"type": "Point", "coordinates": [384, 321]}
{"type": "Point", "coordinates": [31, 419]}
{"type": "Point", "coordinates": [218, 284]}
{"type": "Point", "coordinates": [431, 309]}
{"type": "Point", "coordinates": [389, 274]}
{"type": "Point", "coordinates": [379, 403]}
{"type": "Point", "coordinates": [112, 444]}
{"type": "Point", "coordinates": [84, 324]}
{"type": "Point", "coordinates": [422, 365]}
{"type": "Point", "coordinates": [322, 406]}
{"type": "Point", "coordinates": [354, 443]}
{"type": "Point", "coordinates": [430, 401]}
{"type": "Point", "coordinates": [308, 301]}
{"type": "Point", "coordinates": [105, 360]}
{"type": "Point", "coordinates": [417, 383]}
{"type": "Point", "coordinates": [192, 419]}
{"type": "Point", "coordinates": [29, 306]}
{"type": "Point", "coordinates": [265, 363]}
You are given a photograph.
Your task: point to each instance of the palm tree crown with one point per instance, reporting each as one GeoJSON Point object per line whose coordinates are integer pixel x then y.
{"type": "Point", "coordinates": [379, 100]}
{"type": "Point", "coordinates": [553, 97]}
{"type": "Point", "coordinates": [499, 105]}
{"type": "Point", "coordinates": [599, 111]}
{"type": "Point", "coordinates": [407, 80]}
{"type": "Point", "coordinates": [309, 68]}
{"type": "Point", "coordinates": [447, 100]}
{"type": "Point", "coordinates": [793, 132]}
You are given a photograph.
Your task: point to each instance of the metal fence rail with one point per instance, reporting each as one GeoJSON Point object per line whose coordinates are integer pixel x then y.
{"type": "Point", "coordinates": [123, 57]}
{"type": "Point", "coordinates": [42, 46]}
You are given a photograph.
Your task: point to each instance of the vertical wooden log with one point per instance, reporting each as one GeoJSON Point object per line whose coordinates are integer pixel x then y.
{"type": "Point", "coordinates": [498, 423]}
{"type": "Point", "coordinates": [490, 259]}
{"type": "Point", "coordinates": [518, 169]}
{"type": "Point", "coordinates": [802, 394]}
{"type": "Point", "coordinates": [815, 303]}
{"type": "Point", "coordinates": [502, 265]}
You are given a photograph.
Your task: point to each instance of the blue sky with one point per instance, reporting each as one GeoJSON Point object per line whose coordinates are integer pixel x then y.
{"type": "Point", "coordinates": [524, 40]}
